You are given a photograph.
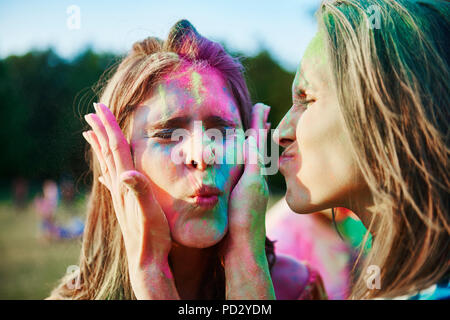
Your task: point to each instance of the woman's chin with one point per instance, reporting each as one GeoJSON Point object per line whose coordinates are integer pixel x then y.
{"type": "Point", "coordinates": [298, 201]}
{"type": "Point", "coordinates": [199, 238]}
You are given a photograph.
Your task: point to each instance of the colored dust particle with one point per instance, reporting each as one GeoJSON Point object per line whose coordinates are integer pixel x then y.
{"type": "Point", "coordinates": [354, 231]}
{"type": "Point", "coordinates": [197, 84]}
{"type": "Point", "coordinates": [315, 53]}
{"type": "Point", "coordinates": [162, 94]}
{"type": "Point", "coordinates": [316, 48]}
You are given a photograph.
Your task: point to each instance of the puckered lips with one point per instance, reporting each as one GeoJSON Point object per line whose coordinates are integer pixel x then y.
{"type": "Point", "coordinates": [287, 155]}
{"type": "Point", "coordinates": [206, 196]}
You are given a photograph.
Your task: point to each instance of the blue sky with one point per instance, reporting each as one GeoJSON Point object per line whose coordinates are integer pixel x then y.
{"type": "Point", "coordinates": [283, 26]}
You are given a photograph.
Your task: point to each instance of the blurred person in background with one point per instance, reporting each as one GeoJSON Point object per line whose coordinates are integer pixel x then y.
{"type": "Point", "coordinates": [20, 192]}
{"type": "Point", "coordinates": [46, 207]}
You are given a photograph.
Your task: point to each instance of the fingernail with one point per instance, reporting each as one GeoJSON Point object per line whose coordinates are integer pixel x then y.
{"type": "Point", "coordinates": [95, 107]}
{"type": "Point", "coordinates": [85, 135]}
{"type": "Point", "coordinates": [87, 117]}
{"type": "Point", "coordinates": [130, 182]}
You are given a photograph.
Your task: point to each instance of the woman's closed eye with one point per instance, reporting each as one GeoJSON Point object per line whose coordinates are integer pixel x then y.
{"type": "Point", "coordinates": [165, 134]}
{"type": "Point", "coordinates": [302, 99]}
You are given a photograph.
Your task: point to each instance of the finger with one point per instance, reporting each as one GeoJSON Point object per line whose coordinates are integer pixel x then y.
{"type": "Point", "coordinates": [100, 132]}
{"type": "Point", "coordinates": [252, 158]}
{"type": "Point", "coordinates": [267, 127]}
{"type": "Point", "coordinates": [257, 115]}
{"type": "Point", "coordinates": [139, 185]}
{"type": "Point", "coordinates": [93, 142]}
{"type": "Point", "coordinates": [117, 141]}
{"type": "Point", "coordinates": [101, 179]}
{"type": "Point", "coordinates": [95, 145]}
{"type": "Point", "coordinates": [135, 181]}
{"type": "Point", "coordinates": [260, 114]}
{"type": "Point", "coordinates": [253, 171]}
{"type": "Point", "coordinates": [266, 114]}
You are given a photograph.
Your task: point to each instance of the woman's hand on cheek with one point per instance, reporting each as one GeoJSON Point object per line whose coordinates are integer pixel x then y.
{"type": "Point", "coordinates": [248, 199]}
{"type": "Point", "coordinates": [246, 268]}
{"type": "Point", "coordinates": [144, 227]}
{"type": "Point", "coordinates": [248, 202]}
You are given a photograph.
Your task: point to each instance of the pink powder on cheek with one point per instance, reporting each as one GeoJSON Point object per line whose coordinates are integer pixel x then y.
{"type": "Point", "coordinates": [232, 176]}
{"type": "Point", "coordinates": [188, 227]}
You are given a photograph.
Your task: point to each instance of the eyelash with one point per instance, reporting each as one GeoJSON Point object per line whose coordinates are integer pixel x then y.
{"type": "Point", "coordinates": [167, 134]}
{"type": "Point", "coordinates": [303, 102]}
{"type": "Point", "coordinates": [163, 134]}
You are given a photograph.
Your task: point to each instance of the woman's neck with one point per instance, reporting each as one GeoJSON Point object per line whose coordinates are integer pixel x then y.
{"type": "Point", "coordinates": [362, 205]}
{"type": "Point", "coordinates": [189, 266]}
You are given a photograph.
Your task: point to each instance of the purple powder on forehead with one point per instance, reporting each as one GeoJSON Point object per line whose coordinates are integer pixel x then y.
{"type": "Point", "coordinates": [197, 50]}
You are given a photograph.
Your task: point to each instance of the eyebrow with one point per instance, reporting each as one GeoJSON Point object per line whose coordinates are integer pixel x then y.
{"type": "Point", "coordinates": [216, 121]}
{"type": "Point", "coordinates": [176, 122]}
{"type": "Point", "coordinates": [303, 87]}
{"type": "Point", "coordinates": [180, 122]}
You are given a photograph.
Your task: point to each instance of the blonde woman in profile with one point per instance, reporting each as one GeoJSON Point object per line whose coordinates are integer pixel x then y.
{"type": "Point", "coordinates": [369, 131]}
{"type": "Point", "coordinates": [157, 229]}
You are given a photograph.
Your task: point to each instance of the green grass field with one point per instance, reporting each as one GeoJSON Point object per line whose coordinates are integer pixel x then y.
{"type": "Point", "coordinates": [30, 266]}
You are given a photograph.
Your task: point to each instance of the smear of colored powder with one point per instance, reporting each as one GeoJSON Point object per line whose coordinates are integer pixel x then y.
{"type": "Point", "coordinates": [197, 84]}
{"type": "Point", "coordinates": [162, 94]}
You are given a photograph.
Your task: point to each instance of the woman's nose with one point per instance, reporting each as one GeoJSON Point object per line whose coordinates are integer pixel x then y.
{"type": "Point", "coordinates": [197, 155]}
{"type": "Point", "coordinates": [284, 134]}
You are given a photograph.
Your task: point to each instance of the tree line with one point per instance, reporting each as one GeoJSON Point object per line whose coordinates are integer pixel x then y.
{"type": "Point", "coordinates": [43, 99]}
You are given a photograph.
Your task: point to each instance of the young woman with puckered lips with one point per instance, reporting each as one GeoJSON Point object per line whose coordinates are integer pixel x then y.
{"type": "Point", "coordinates": [158, 229]}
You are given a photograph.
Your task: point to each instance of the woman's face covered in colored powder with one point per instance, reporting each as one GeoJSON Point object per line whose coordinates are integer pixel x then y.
{"type": "Point", "coordinates": [318, 162]}
{"type": "Point", "coordinates": [172, 145]}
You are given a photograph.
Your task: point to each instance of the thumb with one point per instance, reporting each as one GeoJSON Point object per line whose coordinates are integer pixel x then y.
{"type": "Point", "coordinates": [135, 181]}
{"type": "Point", "coordinates": [139, 184]}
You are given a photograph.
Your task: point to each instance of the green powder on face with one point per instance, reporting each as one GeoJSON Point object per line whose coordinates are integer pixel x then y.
{"type": "Point", "coordinates": [163, 95]}
{"type": "Point", "coordinates": [315, 57]}
{"type": "Point", "coordinates": [197, 85]}
{"type": "Point", "coordinates": [316, 48]}
{"type": "Point", "coordinates": [288, 128]}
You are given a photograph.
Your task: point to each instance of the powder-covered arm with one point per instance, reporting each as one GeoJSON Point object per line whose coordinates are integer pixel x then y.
{"type": "Point", "coordinates": [245, 262]}
{"type": "Point", "coordinates": [142, 222]}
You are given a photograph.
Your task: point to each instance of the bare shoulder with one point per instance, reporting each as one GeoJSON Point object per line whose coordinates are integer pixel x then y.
{"type": "Point", "coordinates": [290, 277]}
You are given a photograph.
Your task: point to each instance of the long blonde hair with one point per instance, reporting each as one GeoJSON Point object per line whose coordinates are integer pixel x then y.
{"type": "Point", "coordinates": [103, 268]}
{"type": "Point", "coordinates": [390, 62]}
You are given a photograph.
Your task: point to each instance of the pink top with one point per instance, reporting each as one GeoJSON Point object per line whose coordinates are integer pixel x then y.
{"type": "Point", "coordinates": [315, 243]}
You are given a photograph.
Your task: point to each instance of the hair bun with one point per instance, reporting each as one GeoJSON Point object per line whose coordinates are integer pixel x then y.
{"type": "Point", "coordinates": [184, 39]}
{"type": "Point", "coordinates": [147, 46]}
{"type": "Point", "coordinates": [183, 29]}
